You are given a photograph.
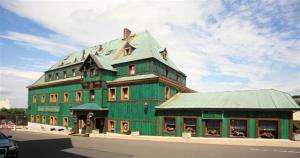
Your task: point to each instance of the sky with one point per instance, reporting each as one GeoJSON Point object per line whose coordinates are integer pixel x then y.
{"type": "Point", "coordinates": [219, 45]}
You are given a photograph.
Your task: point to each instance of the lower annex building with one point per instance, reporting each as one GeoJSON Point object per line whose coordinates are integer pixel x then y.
{"type": "Point", "coordinates": [130, 84]}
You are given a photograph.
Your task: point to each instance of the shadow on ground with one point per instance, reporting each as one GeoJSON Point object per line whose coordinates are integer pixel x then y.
{"type": "Point", "coordinates": [47, 148]}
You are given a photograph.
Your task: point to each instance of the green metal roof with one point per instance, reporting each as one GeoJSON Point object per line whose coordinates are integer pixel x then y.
{"type": "Point", "coordinates": [41, 81]}
{"type": "Point", "coordinates": [136, 77]}
{"type": "Point", "coordinates": [110, 53]}
{"type": "Point", "coordinates": [248, 99]}
{"type": "Point", "coordinates": [88, 106]}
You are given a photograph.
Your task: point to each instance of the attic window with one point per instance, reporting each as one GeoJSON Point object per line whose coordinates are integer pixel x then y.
{"type": "Point", "coordinates": [49, 77]}
{"type": "Point", "coordinates": [56, 76]}
{"type": "Point", "coordinates": [131, 69]}
{"type": "Point", "coordinates": [73, 72]}
{"type": "Point", "coordinates": [167, 73]}
{"type": "Point", "coordinates": [65, 74]}
{"type": "Point", "coordinates": [164, 54]}
{"type": "Point", "coordinates": [127, 51]}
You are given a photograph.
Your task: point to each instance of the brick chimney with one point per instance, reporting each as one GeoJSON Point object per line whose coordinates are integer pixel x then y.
{"type": "Point", "coordinates": [126, 33]}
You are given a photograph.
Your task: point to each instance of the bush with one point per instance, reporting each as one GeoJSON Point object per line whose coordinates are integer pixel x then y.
{"type": "Point", "coordinates": [296, 126]}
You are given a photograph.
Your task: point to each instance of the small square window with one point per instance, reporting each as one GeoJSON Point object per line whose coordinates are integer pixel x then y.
{"type": "Point", "coordinates": [131, 69]}
{"type": "Point", "coordinates": [167, 73]}
{"type": "Point", "coordinates": [43, 99]}
{"type": "Point", "coordinates": [73, 72]}
{"type": "Point", "coordinates": [34, 99]}
{"type": "Point", "coordinates": [44, 120]}
{"type": "Point", "coordinates": [112, 94]}
{"type": "Point", "coordinates": [78, 96]}
{"type": "Point", "coordinates": [92, 72]}
{"type": "Point", "coordinates": [53, 98]}
{"type": "Point", "coordinates": [49, 77]}
{"type": "Point", "coordinates": [92, 95]}
{"type": "Point", "coordinates": [66, 97]}
{"type": "Point", "coordinates": [125, 93]}
{"type": "Point", "coordinates": [65, 74]}
{"type": "Point", "coordinates": [167, 93]}
{"type": "Point", "coordinates": [56, 76]}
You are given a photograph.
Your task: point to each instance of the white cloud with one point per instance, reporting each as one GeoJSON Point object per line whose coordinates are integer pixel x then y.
{"type": "Point", "coordinates": [46, 44]}
{"type": "Point", "coordinates": [13, 83]}
{"type": "Point", "coordinates": [230, 43]}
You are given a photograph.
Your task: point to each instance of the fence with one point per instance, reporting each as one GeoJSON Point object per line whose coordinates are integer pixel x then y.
{"type": "Point", "coordinates": [9, 121]}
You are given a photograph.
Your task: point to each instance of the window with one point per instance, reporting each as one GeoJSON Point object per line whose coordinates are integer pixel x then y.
{"type": "Point", "coordinates": [190, 126]}
{"type": "Point", "coordinates": [124, 126]}
{"type": "Point", "coordinates": [44, 120]}
{"type": "Point", "coordinates": [169, 125]}
{"type": "Point", "coordinates": [66, 97]}
{"type": "Point", "coordinates": [78, 96]}
{"type": "Point", "coordinates": [112, 96]}
{"type": "Point", "coordinates": [238, 128]}
{"type": "Point", "coordinates": [37, 119]}
{"type": "Point", "coordinates": [167, 92]}
{"type": "Point", "coordinates": [268, 128]}
{"type": "Point", "coordinates": [32, 118]}
{"type": "Point", "coordinates": [92, 72]}
{"type": "Point", "coordinates": [65, 121]}
{"type": "Point", "coordinates": [53, 98]}
{"type": "Point", "coordinates": [212, 128]}
{"type": "Point", "coordinates": [34, 99]}
{"type": "Point", "coordinates": [177, 77]}
{"type": "Point", "coordinates": [124, 93]}
{"type": "Point", "coordinates": [92, 95]}
{"type": "Point", "coordinates": [73, 73]}
{"type": "Point", "coordinates": [167, 73]}
{"type": "Point", "coordinates": [43, 99]}
{"type": "Point", "coordinates": [53, 120]}
{"type": "Point", "coordinates": [56, 76]}
{"type": "Point", "coordinates": [127, 51]}
{"type": "Point", "coordinates": [111, 125]}
{"type": "Point", "coordinates": [49, 77]}
{"type": "Point", "coordinates": [131, 69]}
{"type": "Point", "coordinates": [65, 74]}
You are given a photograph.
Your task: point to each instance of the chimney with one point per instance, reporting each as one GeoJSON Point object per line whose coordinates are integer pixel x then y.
{"type": "Point", "coordinates": [126, 33]}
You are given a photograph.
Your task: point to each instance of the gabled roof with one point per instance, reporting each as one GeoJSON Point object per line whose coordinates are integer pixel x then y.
{"type": "Point", "coordinates": [248, 99]}
{"type": "Point", "coordinates": [111, 53]}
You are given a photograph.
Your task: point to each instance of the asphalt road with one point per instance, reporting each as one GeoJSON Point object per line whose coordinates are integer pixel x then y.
{"type": "Point", "coordinates": [37, 145]}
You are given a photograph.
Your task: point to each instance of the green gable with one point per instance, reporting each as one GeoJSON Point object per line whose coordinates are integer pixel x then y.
{"type": "Point", "coordinates": [250, 99]}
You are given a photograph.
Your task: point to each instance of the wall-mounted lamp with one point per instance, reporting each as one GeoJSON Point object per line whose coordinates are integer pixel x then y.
{"type": "Point", "coordinates": [145, 106]}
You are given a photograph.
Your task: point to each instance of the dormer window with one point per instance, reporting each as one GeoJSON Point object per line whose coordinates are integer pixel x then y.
{"type": "Point", "coordinates": [56, 76]}
{"type": "Point", "coordinates": [127, 51]}
{"type": "Point", "coordinates": [131, 69]}
{"type": "Point", "coordinates": [164, 54]}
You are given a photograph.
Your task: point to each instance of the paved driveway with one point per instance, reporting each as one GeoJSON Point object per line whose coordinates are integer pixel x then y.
{"type": "Point", "coordinates": [37, 145]}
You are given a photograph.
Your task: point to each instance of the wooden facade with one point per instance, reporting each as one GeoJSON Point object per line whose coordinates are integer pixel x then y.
{"type": "Point", "coordinates": [126, 95]}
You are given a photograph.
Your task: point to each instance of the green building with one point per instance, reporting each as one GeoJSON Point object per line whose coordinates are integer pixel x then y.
{"type": "Point", "coordinates": [130, 84]}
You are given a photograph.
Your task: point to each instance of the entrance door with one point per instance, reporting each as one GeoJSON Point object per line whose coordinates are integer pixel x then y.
{"type": "Point", "coordinates": [99, 124]}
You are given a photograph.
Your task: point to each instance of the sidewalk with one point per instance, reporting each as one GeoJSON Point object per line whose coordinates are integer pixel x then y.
{"type": "Point", "coordinates": [200, 140]}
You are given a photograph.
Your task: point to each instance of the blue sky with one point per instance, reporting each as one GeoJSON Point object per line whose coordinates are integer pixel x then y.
{"type": "Point", "coordinates": [220, 45]}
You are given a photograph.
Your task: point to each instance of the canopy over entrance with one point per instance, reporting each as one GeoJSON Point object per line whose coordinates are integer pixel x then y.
{"type": "Point", "coordinates": [89, 107]}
